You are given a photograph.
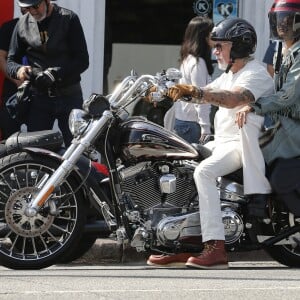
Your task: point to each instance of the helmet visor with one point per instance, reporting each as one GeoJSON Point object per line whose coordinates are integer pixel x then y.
{"type": "Point", "coordinates": [284, 25]}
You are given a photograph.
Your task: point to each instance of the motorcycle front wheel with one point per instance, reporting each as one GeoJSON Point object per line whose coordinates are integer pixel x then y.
{"type": "Point", "coordinates": [39, 241]}
{"type": "Point", "coordinates": [85, 244]}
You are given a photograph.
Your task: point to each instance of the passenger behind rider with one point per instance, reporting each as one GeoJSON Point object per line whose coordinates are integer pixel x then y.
{"type": "Point", "coordinates": [283, 107]}
{"type": "Point", "coordinates": [243, 82]}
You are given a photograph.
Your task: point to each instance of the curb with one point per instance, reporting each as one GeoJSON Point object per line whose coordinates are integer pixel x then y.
{"type": "Point", "coordinates": [109, 251]}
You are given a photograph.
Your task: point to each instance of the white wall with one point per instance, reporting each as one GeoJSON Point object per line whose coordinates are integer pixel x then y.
{"type": "Point", "coordinates": [256, 12]}
{"type": "Point", "coordinates": [144, 59]}
{"type": "Point", "coordinates": [92, 16]}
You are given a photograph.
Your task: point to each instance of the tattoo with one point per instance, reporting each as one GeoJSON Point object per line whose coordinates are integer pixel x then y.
{"type": "Point", "coordinates": [223, 98]}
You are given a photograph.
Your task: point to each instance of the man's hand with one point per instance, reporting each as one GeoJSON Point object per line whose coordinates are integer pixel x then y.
{"type": "Point", "coordinates": [241, 115]}
{"type": "Point", "coordinates": [45, 79]}
{"type": "Point", "coordinates": [24, 73]}
{"type": "Point", "coordinates": [180, 90]}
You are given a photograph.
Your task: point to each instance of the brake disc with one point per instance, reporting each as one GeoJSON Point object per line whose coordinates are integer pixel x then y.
{"type": "Point", "coordinates": [16, 217]}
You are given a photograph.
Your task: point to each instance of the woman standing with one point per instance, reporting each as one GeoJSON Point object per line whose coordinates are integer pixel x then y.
{"type": "Point", "coordinates": [192, 121]}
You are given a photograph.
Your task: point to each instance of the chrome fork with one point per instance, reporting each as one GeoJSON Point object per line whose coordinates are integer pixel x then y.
{"type": "Point", "coordinates": [70, 158]}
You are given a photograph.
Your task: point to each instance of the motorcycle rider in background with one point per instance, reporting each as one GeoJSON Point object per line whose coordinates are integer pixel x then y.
{"type": "Point", "coordinates": [244, 81]}
{"type": "Point", "coordinates": [52, 39]}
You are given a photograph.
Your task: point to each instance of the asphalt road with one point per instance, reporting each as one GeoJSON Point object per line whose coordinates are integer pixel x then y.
{"type": "Point", "coordinates": [244, 280]}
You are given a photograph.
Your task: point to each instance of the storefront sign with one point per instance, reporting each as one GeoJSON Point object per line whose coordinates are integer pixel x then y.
{"type": "Point", "coordinates": [223, 9]}
{"type": "Point", "coordinates": [202, 7]}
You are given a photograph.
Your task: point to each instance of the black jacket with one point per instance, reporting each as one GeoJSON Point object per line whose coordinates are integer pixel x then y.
{"type": "Point", "coordinates": [64, 46]}
{"type": "Point", "coordinates": [6, 31]}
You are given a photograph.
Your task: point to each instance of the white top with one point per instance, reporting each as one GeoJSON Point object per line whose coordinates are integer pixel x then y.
{"type": "Point", "coordinates": [195, 73]}
{"type": "Point", "coordinates": [253, 77]}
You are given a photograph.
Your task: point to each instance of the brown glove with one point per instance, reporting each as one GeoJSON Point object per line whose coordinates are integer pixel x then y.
{"type": "Point", "coordinates": [180, 90]}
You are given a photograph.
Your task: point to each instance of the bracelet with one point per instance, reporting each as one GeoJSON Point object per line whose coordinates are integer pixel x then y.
{"type": "Point", "coordinates": [197, 93]}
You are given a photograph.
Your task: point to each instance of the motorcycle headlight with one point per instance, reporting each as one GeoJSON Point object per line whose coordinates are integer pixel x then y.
{"type": "Point", "coordinates": [78, 122]}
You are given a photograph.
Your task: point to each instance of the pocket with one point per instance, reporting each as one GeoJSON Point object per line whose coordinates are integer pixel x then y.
{"type": "Point", "coordinates": [182, 129]}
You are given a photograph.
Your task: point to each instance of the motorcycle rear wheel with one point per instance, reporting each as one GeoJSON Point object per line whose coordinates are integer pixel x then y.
{"type": "Point", "coordinates": [36, 242]}
{"type": "Point", "coordinates": [288, 255]}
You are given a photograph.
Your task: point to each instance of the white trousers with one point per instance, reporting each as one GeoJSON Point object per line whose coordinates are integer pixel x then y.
{"type": "Point", "coordinates": [226, 158]}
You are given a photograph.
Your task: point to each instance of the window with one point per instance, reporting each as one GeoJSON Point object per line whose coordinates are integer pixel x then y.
{"type": "Point", "coordinates": [150, 21]}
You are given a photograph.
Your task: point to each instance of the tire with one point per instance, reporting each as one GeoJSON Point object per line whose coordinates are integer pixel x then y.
{"type": "Point", "coordinates": [39, 241]}
{"type": "Point", "coordinates": [84, 245]}
{"type": "Point", "coordinates": [288, 255]}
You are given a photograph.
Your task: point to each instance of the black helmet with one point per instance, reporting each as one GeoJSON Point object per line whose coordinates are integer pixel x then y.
{"type": "Point", "coordinates": [27, 3]}
{"type": "Point", "coordinates": [284, 19]}
{"type": "Point", "coordinates": [238, 31]}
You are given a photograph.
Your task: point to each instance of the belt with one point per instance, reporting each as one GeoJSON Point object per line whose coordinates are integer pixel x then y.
{"type": "Point", "coordinates": [59, 91]}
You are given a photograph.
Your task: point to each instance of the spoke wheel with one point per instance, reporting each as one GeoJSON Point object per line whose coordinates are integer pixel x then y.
{"type": "Point", "coordinates": [34, 242]}
{"type": "Point", "coordinates": [288, 255]}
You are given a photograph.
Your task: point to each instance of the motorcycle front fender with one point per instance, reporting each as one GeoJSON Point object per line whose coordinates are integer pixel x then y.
{"type": "Point", "coordinates": [84, 172]}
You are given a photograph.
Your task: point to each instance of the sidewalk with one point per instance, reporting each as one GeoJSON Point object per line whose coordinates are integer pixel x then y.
{"type": "Point", "coordinates": [108, 251]}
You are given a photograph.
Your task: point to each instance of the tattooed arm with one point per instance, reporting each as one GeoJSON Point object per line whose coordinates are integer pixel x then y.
{"type": "Point", "coordinates": [229, 99]}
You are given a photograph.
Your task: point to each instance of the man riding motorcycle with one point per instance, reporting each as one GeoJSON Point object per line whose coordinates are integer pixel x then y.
{"type": "Point", "coordinates": [243, 81]}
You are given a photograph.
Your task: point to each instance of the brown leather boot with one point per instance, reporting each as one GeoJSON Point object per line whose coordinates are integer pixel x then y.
{"type": "Point", "coordinates": [213, 256]}
{"type": "Point", "coordinates": [167, 261]}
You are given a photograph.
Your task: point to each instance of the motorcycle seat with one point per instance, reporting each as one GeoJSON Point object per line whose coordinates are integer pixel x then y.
{"type": "Point", "coordinates": [48, 139]}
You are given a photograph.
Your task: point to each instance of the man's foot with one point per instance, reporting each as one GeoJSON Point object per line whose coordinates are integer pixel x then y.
{"type": "Point", "coordinates": [213, 256]}
{"type": "Point", "coordinates": [168, 261]}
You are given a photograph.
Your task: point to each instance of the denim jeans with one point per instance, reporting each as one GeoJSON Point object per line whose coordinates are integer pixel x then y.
{"type": "Point", "coordinates": [190, 131]}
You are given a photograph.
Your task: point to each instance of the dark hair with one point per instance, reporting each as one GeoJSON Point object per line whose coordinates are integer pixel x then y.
{"type": "Point", "coordinates": [195, 41]}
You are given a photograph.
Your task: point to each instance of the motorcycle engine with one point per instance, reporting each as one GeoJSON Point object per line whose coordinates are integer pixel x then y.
{"type": "Point", "coordinates": [187, 227]}
{"type": "Point", "coordinates": [173, 215]}
{"type": "Point", "coordinates": [142, 184]}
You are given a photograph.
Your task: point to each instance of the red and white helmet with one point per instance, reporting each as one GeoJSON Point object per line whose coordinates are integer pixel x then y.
{"type": "Point", "coordinates": [284, 18]}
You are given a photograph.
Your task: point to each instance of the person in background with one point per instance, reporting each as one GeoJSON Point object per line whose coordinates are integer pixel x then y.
{"type": "Point", "coordinates": [192, 121]}
{"type": "Point", "coordinates": [108, 48]}
{"type": "Point", "coordinates": [8, 125]}
{"type": "Point", "coordinates": [244, 81]}
{"type": "Point", "coordinates": [269, 57]}
{"type": "Point", "coordinates": [52, 39]}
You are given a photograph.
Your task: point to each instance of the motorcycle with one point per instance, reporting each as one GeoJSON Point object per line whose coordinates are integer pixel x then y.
{"type": "Point", "coordinates": [149, 200]}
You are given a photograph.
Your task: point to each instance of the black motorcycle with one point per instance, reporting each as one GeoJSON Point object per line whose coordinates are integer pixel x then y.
{"type": "Point", "coordinates": [149, 200]}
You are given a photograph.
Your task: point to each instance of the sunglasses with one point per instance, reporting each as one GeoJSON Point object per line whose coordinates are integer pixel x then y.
{"type": "Point", "coordinates": [36, 6]}
{"type": "Point", "coordinates": [219, 46]}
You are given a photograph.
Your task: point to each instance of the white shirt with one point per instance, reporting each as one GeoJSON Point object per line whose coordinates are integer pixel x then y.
{"type": "Point", "coordinates": [194, 72]}
{"type": "Point", "coordinates": [253, 77]}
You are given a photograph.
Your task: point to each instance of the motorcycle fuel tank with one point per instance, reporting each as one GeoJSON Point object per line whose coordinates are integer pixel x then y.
{"type": "Point", "coordinates": [142, 139]}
